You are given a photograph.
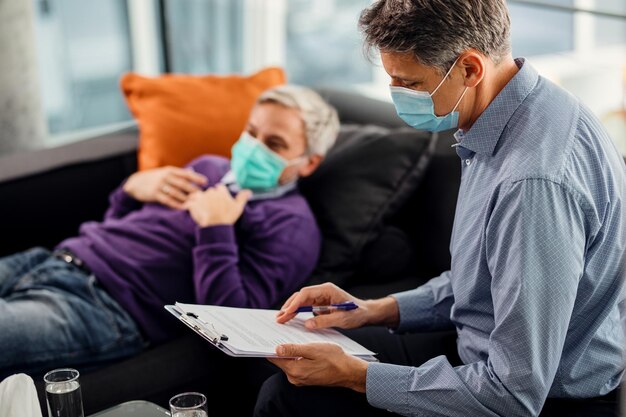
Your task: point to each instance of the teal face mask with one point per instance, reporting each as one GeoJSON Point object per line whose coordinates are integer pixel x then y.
{"type": "Point", "coordinates": [255, 166]}
{"type": "Point", "coordinates": [417, 109]}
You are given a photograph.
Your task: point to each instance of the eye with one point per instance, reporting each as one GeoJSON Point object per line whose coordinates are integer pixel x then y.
{"type": "Point", "coordinates": [274, 146]}
{"type": "Point", "coordinates": [275, 143]}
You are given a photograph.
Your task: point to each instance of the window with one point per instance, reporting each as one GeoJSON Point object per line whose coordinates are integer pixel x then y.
{"type": "Point", "coordinates": [610, 30]}
{"type": "Point", "coordinates": [83, 48]}
{"type": "Point", "coordinates": [324, 46]}
{"type": "Point", "coordinates": [204, 36]}
{"type": "Point", "coordinates": [537, 31]}
{"type": "Point", "coordinates": [590, 62]}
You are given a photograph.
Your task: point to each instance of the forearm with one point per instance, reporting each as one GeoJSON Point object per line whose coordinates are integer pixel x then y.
{"type": "Point", "coordinates": [217, 278]}
{"type": "Point", "coordinates": [383, 312]}
{"type": "Point", "coordinates": [426, 308]}
{"type": "Point", "coordinates": [357, 376]}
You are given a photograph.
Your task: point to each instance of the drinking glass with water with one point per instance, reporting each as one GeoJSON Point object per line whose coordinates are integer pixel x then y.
{"type": "Point", "coordinates": [188, 404]}
{"type": "Point", "coordinates": [63, 393]}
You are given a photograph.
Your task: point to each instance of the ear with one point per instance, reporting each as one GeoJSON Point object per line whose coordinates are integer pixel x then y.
{"type": "Point", "coordinates": [474, 65]}
{"type": "Point", "coordinates": [308, 169]}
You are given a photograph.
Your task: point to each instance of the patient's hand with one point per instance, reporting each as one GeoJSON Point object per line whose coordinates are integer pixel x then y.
{"type": "Point", "coordinates": [216, 206]}
{"type": "Point", "coordinates": [170, 186]}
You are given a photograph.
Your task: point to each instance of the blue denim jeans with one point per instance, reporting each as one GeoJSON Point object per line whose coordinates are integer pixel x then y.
{"type": "Point", "coordinates": [54, 314]}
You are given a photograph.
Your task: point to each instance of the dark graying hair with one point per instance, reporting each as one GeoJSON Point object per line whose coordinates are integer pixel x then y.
{"type": "Point", "coordinates": [436, 32]}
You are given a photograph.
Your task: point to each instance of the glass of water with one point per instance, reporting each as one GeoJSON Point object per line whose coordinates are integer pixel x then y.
{"type": "Point", "coordinates": [188, 404]}
{"type": "Point", "coordinates": [63, 393]}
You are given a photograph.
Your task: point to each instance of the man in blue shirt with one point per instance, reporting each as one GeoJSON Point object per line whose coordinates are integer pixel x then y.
{"type": "Point", "coordinates": [534, 292]}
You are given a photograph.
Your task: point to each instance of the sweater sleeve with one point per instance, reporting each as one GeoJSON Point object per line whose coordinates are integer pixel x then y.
{"type": "Point", "coordinates": [120, 204]}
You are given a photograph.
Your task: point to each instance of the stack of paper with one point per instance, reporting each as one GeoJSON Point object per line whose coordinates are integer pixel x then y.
{"type": "Point", "coordinates": [255, 333]}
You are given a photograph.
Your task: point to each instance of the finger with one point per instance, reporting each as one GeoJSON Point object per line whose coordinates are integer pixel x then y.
{"type": "Point", "coordinates": [286, 303]}
{"type": "Point", "coordinates": [191, 175]}
{"type": "Point", "coordinates": [294, 351]}
{"type": "Point", "coordinates": [242, 197]}
{"type": "Point", "coordinates": [289, 309]}
{"type": "Point", "coordinates": [277, 362]}
{"type": "Point", "coordinates": [192, 199]}
{"type": "Point", "coordinates": [306, 350]}
{"type": "Point", "coordinates": [283, 316]}
{"type": "Point", "coordinates": [284, 364]}
{"type": "Point", "coordinates": [182, 184]}
{"type": "Point", "coordinates": [313, 295]}
{"type": "Point", "coordinates": [174, 193]}
{"type": "Point", "coordinates": [168, 201]}
{"type": "Point", "coordinates": [334, 319]}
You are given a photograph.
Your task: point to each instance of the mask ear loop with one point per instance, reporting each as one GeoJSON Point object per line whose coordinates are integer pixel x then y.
{"type": "Point", "coordinates": [459, 102]}
{"type": "Point", "coordinates": [445, 77]}
{"type": "Point", "coordinates": [296, 161]}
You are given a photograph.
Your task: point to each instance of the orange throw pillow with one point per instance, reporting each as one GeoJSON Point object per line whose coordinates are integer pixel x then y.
{"type": "Point", "coordinates": [181, 117]}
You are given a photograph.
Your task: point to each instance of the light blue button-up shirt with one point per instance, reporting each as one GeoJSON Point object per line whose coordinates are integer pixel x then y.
{"type": "Point", "coordinates": [535, 287]}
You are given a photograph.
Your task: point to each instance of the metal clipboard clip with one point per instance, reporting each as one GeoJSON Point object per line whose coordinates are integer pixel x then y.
{"type": "Point", "coordinates": [207, 330]}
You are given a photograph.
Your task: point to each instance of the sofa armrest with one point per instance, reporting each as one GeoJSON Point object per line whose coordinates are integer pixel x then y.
{"type": "Point", "coordinates": [47, 194]}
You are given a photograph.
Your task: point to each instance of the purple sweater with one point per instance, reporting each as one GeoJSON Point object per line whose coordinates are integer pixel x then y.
{"type": "Point", "coordinates": [148, 255]}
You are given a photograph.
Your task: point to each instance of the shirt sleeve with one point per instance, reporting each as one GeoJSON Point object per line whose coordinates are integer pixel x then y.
{"type": "Point", "coordinates": [120, 204]}
{"type": "Point", "coordinates": [535, 244]}
{"type": "Point", "coordinates": [426, 308]}
{"type": "Point", "coordinates": [269, 265]}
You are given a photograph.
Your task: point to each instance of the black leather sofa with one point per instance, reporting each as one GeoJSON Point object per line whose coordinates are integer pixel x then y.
{"type": "Point", "coordinates": [47, 194]}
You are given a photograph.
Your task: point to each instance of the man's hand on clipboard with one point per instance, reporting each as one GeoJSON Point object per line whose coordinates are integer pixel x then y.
{"type": "Point", "coordinates": [325, 363]}
{"type": "Point", "coordinates": [321, 364]}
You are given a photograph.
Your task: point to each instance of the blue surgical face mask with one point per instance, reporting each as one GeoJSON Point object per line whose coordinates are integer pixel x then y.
{"type": "Point", "coordinates": [255, 166]}
{"type": "Point", "coordinates": [417, 109]}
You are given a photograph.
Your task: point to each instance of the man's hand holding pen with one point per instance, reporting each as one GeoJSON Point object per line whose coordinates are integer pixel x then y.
{"type": "Point", "coordinates": [326, 363]}
{"type": "Point", "coordinates": [325, 295]}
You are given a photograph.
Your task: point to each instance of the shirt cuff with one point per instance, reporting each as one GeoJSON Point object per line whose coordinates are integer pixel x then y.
{"type": "Point", "coordinates": [416, 309]}
{"type": "Point", "coordinates": [216, 234]}
{"type": "Point", "coordinates": [386, 386]}
{"type": "Point", "coordinates": [122, 202]}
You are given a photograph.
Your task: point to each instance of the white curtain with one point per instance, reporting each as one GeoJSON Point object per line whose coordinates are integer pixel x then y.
{"type": "Point", "coordinates": [22, 124]}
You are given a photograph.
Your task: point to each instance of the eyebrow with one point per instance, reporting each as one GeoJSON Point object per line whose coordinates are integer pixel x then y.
{"type": "Point", "coordinates": [407, 80]}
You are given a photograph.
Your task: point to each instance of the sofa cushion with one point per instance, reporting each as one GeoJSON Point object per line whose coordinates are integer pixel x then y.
{"type": "Point", "coordinates": [366, 177]}
{"type": "Point", "coordinates": [183, 116]}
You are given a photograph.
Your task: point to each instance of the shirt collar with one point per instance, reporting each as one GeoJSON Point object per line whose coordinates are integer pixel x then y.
{"type": "Point", "coordinates": [486, 131]}
{"type": "Point", "coordinates": [231, 182]}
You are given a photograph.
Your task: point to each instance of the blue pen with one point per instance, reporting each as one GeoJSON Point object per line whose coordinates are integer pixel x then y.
{"type": "Point", "coordinates": [347, 306]}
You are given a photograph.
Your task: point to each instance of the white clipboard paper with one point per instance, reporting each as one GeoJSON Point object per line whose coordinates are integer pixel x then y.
{"type": "Point", "coordinates": [253, 333]}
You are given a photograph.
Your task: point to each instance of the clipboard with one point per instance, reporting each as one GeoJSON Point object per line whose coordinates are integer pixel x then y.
{"type": "Point", "coordinates": [238, 321]}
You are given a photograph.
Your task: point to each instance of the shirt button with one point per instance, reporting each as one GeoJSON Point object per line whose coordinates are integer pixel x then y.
{"type": "Point", "coordinates": [468, 162]}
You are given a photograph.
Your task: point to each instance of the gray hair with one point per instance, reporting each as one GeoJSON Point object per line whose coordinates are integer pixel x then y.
{"type": "Point", "coordinates": [436, 32]}
{"type": "Point", "coordinates": [321, 123]}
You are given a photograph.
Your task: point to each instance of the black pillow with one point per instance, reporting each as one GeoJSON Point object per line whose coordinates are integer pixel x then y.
{"type": "Point", "coordinates": [366, 177]}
